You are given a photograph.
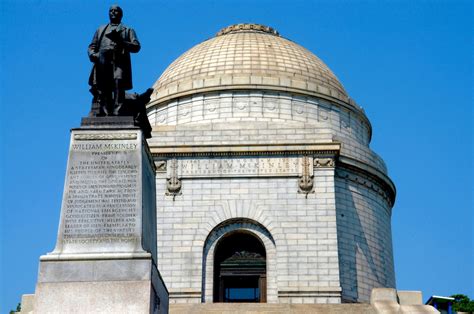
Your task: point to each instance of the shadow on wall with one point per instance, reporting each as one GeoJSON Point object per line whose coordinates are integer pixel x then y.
{"type": "Point", "coordinates": [356, 260]}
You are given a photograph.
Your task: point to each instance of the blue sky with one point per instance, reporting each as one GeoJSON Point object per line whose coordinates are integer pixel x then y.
{"type": "Point", "coordinates": [407, 63]}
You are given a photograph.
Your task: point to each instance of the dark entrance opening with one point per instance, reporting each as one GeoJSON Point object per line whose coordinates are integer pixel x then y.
{"type": "Point", "coordinates": [240, 269]}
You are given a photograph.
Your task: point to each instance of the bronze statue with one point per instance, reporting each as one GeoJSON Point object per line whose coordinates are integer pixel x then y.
{"type": "Point", "coordinates": [111, 74]}
{"type": "Point", "coordinates": [135, 106]}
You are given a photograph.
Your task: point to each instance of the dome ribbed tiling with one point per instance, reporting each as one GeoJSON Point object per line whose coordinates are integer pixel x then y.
{"type": "Point", "coordinates": [247, 56]}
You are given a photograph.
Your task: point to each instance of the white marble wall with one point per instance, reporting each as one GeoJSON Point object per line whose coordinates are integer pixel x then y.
{"type": "Point", "coordinates": [243, 117]}
{"type": "Point", "coordinates": [364, 236]}
{"type": "Point", "coordinates": [263, 106]}
{"type": "Point", "coordinates": [310, 245]}
{"type": "Point", "coordinates": [299, 234]}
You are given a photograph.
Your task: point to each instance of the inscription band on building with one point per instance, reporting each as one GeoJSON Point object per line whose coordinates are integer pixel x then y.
{"type": "Point", "coordinates": [243, 166]}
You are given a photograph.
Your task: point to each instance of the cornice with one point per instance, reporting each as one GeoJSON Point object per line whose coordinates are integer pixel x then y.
{"type": "Point", "coordinates": [321, 149]}
{"type": "Point", "coordinates": [373, 174]}
{"type": "Point", "coordinates": [327, 151]}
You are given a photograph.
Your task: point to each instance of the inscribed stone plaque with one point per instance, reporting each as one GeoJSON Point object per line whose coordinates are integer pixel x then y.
{"type": "Point", "coordinates": [102, 202]}
{"type": "Point", "coordinates": [239, 166]}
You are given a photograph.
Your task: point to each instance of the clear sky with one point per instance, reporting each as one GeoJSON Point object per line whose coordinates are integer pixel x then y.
{"type": "Point", "coordinates": [407, 63]}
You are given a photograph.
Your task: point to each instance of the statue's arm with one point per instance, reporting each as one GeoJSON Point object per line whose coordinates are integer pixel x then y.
{"type": "Point", "coordinates": [132, 44]}
{"type": "Point", "coordinates": [93, 49]}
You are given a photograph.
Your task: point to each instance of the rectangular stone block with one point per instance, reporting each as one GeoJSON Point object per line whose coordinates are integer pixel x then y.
{"type": "Point", "coordinates": [105, 254]}
{"type": "Point", "coordinates": [106, 194]}
{"type": "Point", "coordinates": [410, 297]}
{"type": "Point", "coordinates": [99, 297]}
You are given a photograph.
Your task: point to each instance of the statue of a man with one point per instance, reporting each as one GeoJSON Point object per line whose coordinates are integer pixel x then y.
{"type": "Point", "coordinates": [110, 52]}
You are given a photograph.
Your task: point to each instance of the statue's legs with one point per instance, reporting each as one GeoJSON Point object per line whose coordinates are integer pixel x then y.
{"type": "Point", "coordinates": [105, 103]}
{"type": "Point", "coordinates": [119, 97]}
{"type": "Point", "coordinates": [95, 107]}
{"type": "Point", "coordinates": [105, 84]}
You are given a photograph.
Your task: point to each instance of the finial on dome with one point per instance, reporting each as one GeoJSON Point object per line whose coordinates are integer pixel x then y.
{"type": "Point", "coordinates": [248, 27]}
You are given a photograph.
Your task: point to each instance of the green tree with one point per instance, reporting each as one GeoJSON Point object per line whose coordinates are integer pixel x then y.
{"type": "Point", "coordinates": [462, 303]}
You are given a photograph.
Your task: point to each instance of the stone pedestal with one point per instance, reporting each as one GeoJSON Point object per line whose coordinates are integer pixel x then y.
{"type": "Point", "coordinates": [105, 254]}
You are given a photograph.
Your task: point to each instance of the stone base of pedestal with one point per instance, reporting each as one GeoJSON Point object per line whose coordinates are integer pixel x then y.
{"type": "Point", "coordinates": [100, 286]}
{"type": "Point", "coordinates": [105, 255]}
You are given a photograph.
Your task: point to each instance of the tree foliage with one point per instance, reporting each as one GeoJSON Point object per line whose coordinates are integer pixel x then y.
{"type": "Point", "coordinates": [462, 303]}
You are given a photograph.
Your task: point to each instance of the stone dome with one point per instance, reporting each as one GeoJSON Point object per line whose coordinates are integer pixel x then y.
{"type": "Point", "coordinates": [251, 130]}
{"type": "Point", "coordinates": [247, 56]}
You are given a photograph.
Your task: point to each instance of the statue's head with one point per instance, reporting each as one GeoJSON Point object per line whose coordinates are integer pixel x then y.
{"type": "Point", "coordinates": [115, 14]}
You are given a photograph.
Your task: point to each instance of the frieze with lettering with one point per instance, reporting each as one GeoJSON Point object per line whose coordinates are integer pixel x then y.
{"type": "Point", "coordinates": [244, 166]}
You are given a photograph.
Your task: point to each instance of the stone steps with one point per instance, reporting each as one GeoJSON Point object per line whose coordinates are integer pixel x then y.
{"type": "Point", "coordinates": [267, 308]}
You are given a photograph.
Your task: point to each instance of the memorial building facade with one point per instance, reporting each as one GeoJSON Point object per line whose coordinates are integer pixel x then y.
{"type": "Point", "coordinates": [266, 187]}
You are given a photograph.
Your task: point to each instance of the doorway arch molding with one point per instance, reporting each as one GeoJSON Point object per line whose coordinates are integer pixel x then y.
{"type": "Point", "coordinates": [230, 226]}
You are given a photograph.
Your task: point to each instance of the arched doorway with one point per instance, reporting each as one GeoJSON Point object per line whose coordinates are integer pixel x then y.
{"type": "Point", "coordinates": [240, 269]}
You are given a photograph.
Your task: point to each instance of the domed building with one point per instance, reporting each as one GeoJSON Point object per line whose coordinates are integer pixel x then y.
{"type": "Point", "coordinates": [267, 189]}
